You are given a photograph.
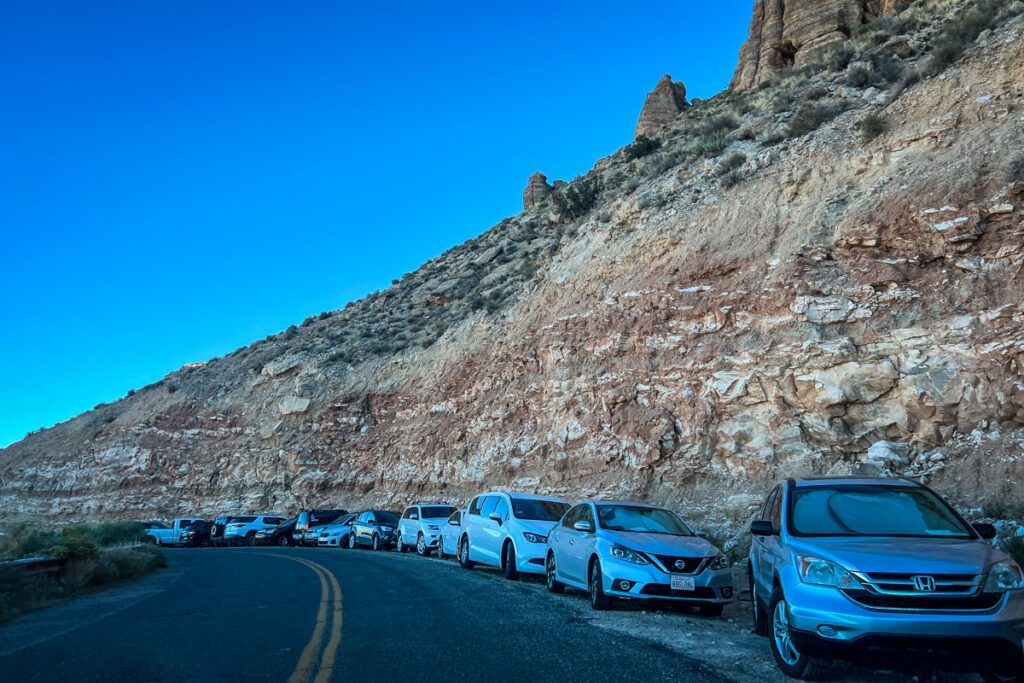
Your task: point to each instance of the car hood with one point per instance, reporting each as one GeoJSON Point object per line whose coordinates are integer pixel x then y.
{"type": "Point", "coordinates": [663, 544]}
{"type": "Point", "coordinates": [535, 527]}
{"type": "Point", "coordinates": [901, 555]}
{"type": "Point", "coordinates": [333, 527]}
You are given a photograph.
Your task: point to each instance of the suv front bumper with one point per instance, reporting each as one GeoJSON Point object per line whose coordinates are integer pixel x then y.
{"type": "Point", "coordinates": [828, 623]}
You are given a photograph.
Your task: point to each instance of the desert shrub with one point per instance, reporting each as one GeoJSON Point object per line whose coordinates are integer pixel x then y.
{"type": "Point", "coordinates": [839, 57]}
{"type": "Point", "coordinates": [858, 77]}
{"type": "Point", "coordinates": [722, 123]}
{"type": "Point", "coordinates": [711, 145]}
{"type": "Point", "coordinates": [731, 163]}
{"type": "Point", "coordinates": [747, 134]}
{"type": "Point", "coordinates": [872, 125]}
{"type": "Point", "coordinates": [107, 533]}
{"type": "Point", "coordinates": [885, 70]}
{"type": "Point", "coordinates": [23, 541]}
{"type": "Point", "coordinates": [810, 118]}
{"type": "Point", "coordinates": [961, 32]}
{"type": "Point", "coordinates": [731, 179]}
{"type": "Point", "coordinates": [582, 195]}
{"type": "Point", "coordinates": [22, 592]}
{"type": "Point", "coordinates": [816, 93]}
{"type": "Point", "coordinates": [783, 102]}
{"type": "Point", "coordinates": [77, 548]}
{"type": "Point", "coordinates": [648, 200]}
{"type": "Point", "coordinates": [642, 146]}
{"type": "Point", "coordinates": [773, 138]}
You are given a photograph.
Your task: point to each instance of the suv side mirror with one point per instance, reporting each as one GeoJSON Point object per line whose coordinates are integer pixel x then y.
{"type": "Point", "coordinates": [496, 517]}
{"type": "Point", "coordinates": [414, 516]}
{"type": "Point", "coordinates": [986, 531]}
{"type": "Point", "coordinates": [583, 526]}
{"type": "Point", "coordinates": [762, 527]}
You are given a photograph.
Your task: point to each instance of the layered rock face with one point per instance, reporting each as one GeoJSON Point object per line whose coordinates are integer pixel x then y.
{"type": "Point", "coordinates": [662, 106]}
{"type": "Point", "coordinates": [537, 191]}
{"type": "Point", "coordinates": [794, 33]}
{"type": "Point", "coordinates": [847, 307]}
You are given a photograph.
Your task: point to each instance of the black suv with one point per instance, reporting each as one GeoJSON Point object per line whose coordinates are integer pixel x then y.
{"type": "Point", "coordinates": [197, 534]}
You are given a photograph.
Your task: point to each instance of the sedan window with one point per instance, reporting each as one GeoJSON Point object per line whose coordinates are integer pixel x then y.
{"type": "Point", "coordinates": [638, 519]}
{"type": "Point", "coordinates": [572, 516]}
{"type": "Point", "coordinates": [456, 518]}
{"type": "Point", "coordinates": [490, 502]}
{"type": "Point", "coordinates": [474, 507]}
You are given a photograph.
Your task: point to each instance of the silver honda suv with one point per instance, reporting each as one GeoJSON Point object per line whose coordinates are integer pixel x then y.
{"type": "Point", "coordinates": [882, 570]}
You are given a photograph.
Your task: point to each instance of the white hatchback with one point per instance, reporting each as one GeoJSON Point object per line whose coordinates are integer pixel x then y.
{"type": "Point", "coordinates": [508, 531]}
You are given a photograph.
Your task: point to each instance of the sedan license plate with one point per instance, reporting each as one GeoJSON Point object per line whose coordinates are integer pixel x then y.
{"type": "Point", "coordinates": [682, 583]}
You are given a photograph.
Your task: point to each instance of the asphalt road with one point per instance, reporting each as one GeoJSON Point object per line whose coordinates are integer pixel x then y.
{"type": "Point", "coordinates": [296, 614]}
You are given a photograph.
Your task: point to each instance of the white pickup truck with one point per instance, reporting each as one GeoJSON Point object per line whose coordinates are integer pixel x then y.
{"type": "Point", "coordinates": [169, 536]}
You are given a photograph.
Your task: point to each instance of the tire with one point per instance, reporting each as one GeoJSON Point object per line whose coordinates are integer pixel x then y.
{"type": "Point", "coordinates": [282, 541]}
{"type": "Point", "coordinates": [399, 546]}
{"type": "Point", "coordinates": [598, 600]}
{"type": "Point", "coordinates": [554, 585]}
{"type": "Point", "coordinates": [343, 541]}
{"type": "Point", "coordinates": [761, 625]}
{"type": "Point", "coordinates": [508, 562]}
{"type": "Point", "coordinates": [352, 542]}
{"type": "Point", "coordinates": [440, 548]}
{"type": "Point", "coordinates": [375, 542]}
{"type": "Point", "coordinates": [153, 540]}
{"type": "Point", "coordinates": [250, 538]}
{"type": "Point", "coordinates": [464, 560]}
{"type": "Point", "coordinates": [790, 661]}
{"type": "Point", "coordinates": [711, 610]}
{"type": "Point", "coordinates": [421, 546]}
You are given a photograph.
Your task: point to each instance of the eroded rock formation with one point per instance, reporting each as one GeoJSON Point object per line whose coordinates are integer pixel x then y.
{"type": "Point", "coordinates": [661, 107]}
{"type": "Point", "coordinates": [537, 191]}
{"type": "Point", "coordinates": [794, 33]}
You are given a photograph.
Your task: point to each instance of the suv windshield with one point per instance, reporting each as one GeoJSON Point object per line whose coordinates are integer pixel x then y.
{"type": "Point", "coordinates": [873, 511]}
{"type": "Point", "coordinates": [436, 511]}
{"type": "Point", "coordinates": [324, 517]}
{"type": "Point", "coordinates": [538, 510]}
{"type": "Point", "coordinates": [634, 518]}
{"type": "Point", "coordinates": [386, 518]}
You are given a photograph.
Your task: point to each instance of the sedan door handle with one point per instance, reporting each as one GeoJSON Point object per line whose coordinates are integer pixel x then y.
{"type": "Point", "coordinates": [572, 542]}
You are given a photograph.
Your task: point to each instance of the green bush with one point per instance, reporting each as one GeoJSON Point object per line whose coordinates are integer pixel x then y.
{"type": "Point", "coordinates": [858, 77]}
{"type": "Point", "coordinates": [732, 162]}
{"type": "Point", "coordinates": [641, 147]}
{"type": "Point", "coordinates": [872, 125]}
{"type": "Point", "coordinates": [711, 145]}
{"type": "Point", "coordinates": [730, 180]}
{"type": "Point", "coordinates": [961, 32]}
{"type": "Point", "coordinates": [810, 118]}
{"type": "Point", "coordinates": [77, 548]}
{"type": "Point", "coordinates": [723, 123]}
{"type": "Point", "coordinates": [23, 541]}
{"type": "Point", "coordinates": [582, 195]}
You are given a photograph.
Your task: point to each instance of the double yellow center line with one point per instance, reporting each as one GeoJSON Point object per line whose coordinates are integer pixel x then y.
{"type": "Point", "coordinates": [309, 667]}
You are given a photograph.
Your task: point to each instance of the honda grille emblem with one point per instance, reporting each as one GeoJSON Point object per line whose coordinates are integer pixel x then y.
{"type": "Point", "coordinates": [680, 564]}
{"type": "Point", "coordinates": [925, 584]}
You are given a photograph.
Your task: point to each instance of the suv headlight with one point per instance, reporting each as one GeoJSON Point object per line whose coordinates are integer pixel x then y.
{"type": "Point", "coordinates": [820, 572]}
{"type": "Point", "coordinates": [720, 562]}
{"type": "Point", "coordinates": [433, 527]}
{"type": "Point", "coordinates": [1004, 576]}
{"type": "Point", "coordinates": [386, 529]}
{"type": "Point", "coordinates": [534, 538]}
{"type": "Point", "coordinates": [622, 553]}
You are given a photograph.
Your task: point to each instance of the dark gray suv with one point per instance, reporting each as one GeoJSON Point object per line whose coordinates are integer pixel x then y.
{"type": "Point", "coordinates": [885, 569]}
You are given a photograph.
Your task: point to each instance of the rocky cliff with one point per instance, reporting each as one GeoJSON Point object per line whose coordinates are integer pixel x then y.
{"type": "Point", "coordinates": [821, 276]}
{"type": "Point", "coordinates": [662, 106]}
{"type": "Point", "coordinates": [795, 33]}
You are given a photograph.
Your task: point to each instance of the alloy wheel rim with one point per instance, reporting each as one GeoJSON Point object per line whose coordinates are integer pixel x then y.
{"type": "Point", "coordinates": [420, 546]}
{"type": "Point", "coordinates": [463, 551]}
{"type": "Point", "coordinates": [783, 638]}
{"type": "Point", "coordinates": [593, 584]}
{"type": "Point", "coordinates": [551, 571]}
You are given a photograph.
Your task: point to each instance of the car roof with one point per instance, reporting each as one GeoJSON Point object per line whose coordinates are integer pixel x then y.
{"type": "Point", "coordinates": [855, 481]}
{"type": "Point", "coordinates": [631, 503]}
{"type": "Point", "coordinates": [414, 505]}
{"type": "Point", "coordinates": [525, 496]}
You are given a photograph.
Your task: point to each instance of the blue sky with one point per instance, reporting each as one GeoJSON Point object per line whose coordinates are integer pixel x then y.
{"type": "Point", "coordinates": [178, 179]}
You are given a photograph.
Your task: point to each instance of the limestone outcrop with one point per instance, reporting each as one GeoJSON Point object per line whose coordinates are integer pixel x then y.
{"type": "Point", "coordinates": [537, 191]}
{"type": "Point", "coordinates": [794, 33]}
{"type": "Point", "coordinates": [662, 106]}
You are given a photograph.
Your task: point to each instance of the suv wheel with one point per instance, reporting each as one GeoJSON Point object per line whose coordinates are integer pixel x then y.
{"type": "Point", "coordinates": [421, 546]}
{"type": "Point", "coordinates": [399, 544]}
{"type": "Point", "coordinates": [761, 627]}
{"type": "Point", "coordinates": [250, 538]}
{"type": "Point", "coordinates": [464, 560]}
{"type": "Point", "coordinates": [375, 542]}
{"type": "Point", "coordinates": [598, 599]}
{"type": "Point", "coordinates": [789, 659]}
{"type": "Point", "coordinates": [508, 562]}
{"type": "Point", "coordinates": [282, 540]}
{"type": "Point", "coordinates": [440, 548]}
{"type": "Point", "coordinates": [554, 585]}
{"type": "Point", "coordinates": [351, 541]}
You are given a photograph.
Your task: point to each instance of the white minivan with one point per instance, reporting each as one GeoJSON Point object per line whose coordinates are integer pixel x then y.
{"type": "Point", "coordinates": [508, 531]}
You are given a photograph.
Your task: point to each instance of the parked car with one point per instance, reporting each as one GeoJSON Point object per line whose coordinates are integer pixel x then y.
{"type": "Point", "coordinates": [277, 535]}
{"type": "Point", "coordinates": [420, 526]}
{"type": "Point", "coordinates": [335, 534]}
{"type": "Point", "coordinates": [172, 535]}
{"type": "Point", "coordinates": [242, 530]}
{"type": "Point", "coordinates": [196, 534]}
{"type": "Point", "coordinates": [448, 541]}
{"type": "Point", "coordinates": [625, 550]}
{"type": "Point", "coordinates": [217, 529]}
{"type": "Point", "coordinates": [311, 522]}
{"type": "Point", "coordinates": [374, 528]}
{"type": "Point", "coordinates": [844, 567]}
{"type": "Point", "coordinates": [509, 531]}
